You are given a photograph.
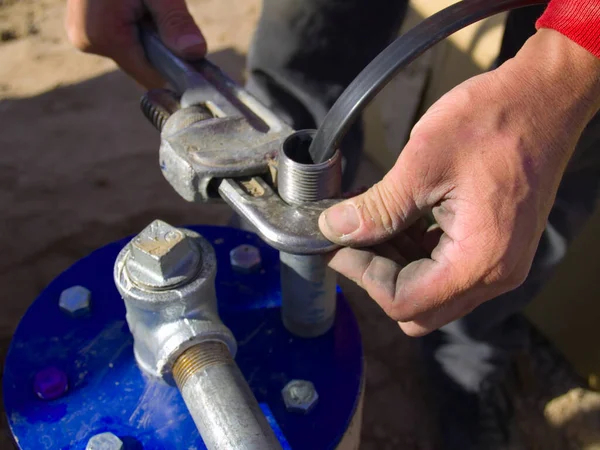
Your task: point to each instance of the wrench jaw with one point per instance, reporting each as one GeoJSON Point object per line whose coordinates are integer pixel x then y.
{"type": "Point", "coordinates": [195, 153]}
{"type": "Point", "coordinates": [290, 229]}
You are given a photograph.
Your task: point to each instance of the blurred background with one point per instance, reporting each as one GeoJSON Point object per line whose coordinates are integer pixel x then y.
{"type": "Point", "coordinates": [79, 169]}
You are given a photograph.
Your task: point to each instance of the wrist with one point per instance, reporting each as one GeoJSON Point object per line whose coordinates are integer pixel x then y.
{"type": "Point", "coordinates": [564, 75]}
{"type": "Point", "coordinates": [553, 87]}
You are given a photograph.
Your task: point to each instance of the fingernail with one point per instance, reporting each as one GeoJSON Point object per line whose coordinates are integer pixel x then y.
{"type": "Point", "coordinates": [191, 44]}
{"type": "Point", "coordinates": [342, 220]}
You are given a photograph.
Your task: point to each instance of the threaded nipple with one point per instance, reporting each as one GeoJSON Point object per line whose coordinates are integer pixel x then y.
{"type": "Point", "coordinates": [198, 358]}
{"type": "Point", "coordinates": [299, 180]}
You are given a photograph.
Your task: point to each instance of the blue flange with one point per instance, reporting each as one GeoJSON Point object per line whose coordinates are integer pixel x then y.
{"type": "Point", "coordinates": [107, 391]}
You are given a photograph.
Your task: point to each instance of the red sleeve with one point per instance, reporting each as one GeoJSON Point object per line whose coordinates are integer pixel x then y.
{"type": "Point", "coordinates": [579, 20]}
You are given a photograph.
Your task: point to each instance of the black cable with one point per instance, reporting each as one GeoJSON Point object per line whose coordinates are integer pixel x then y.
{"type": "Point", "coordinates": [395, 57]}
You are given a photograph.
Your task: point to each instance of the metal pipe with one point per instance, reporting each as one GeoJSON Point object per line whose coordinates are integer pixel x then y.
{"type": "Point", "coordinates": [308, 285]}
{"type": "Point", "coordinates": [220, 401]}
{"type": "Point", "coordinates": [166, 277]}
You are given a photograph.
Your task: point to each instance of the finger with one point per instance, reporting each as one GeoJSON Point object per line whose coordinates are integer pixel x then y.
{"type": "Point", "coordinates": [370, 271]}
{"type": "Point", "coordinates": [132, 60]}
{"type": "Point", "coordinates": [112, 33]}
{"type": "Point", "coordinates": [405, 293]}
{"type": "Point", "coordinates": [432, 320]}
{"type": "Point", "coordinates": [373, 217]}
{"type": "Point", "coordinates": [177, 28]}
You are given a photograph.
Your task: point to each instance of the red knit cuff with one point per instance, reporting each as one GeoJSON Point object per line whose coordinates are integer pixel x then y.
{"type": "Point", "coordinates": [579, 20]}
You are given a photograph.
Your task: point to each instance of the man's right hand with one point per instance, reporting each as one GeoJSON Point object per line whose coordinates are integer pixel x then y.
{"type": "Point", "coordinates": [108, 28]}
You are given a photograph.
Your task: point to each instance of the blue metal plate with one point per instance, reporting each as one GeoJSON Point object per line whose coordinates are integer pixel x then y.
{"type": "Point", "coordinates": [107, 391]}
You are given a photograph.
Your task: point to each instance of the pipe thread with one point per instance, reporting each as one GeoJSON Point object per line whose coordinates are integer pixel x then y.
{"type": "Point", "coordinates": [299, 180]}
{"type": "Point", "coordinates": [198, 358]}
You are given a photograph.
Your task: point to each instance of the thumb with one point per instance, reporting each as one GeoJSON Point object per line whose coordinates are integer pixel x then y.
{"type": "Point", "coordinates": [372, 217]}
{"type": "Point", "coordinates": [177, 28]}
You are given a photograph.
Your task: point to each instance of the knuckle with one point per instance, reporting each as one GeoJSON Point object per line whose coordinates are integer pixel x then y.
{"type": "Point", "coordinates": [177, 18]}
{"type": "Point", "coordinates": [380, 277]}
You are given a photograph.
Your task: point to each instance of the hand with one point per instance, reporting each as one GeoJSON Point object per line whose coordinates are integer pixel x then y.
{"type": "Point", "coordinates": [108, 28]}
{"type": "Point", "coordinates": [486, 160]}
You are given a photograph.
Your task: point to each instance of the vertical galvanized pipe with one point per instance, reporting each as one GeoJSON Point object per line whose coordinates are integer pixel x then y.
{"type": "Point", "coordinates": [308, 285]}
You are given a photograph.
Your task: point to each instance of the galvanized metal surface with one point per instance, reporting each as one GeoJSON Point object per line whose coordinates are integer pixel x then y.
{"type": "Point", "coordinates": [299, 181]}
{"type": "Point", "coordinates": [162, 256]}
{"type": "Point", "coordinates": [292, 229]}
{"type": "Point", "coordinates": [108, 392]}
{"type": "Point", "coordinates": [307, 283]}
{"type": "Point", "coordinates": [245, 258]}
{"type": "Point", "coordinates": [308, 294]}
{"type": "Point", "coordinates": [105, 441]}
{"type": "Point", "coordinates": [300, 396]}
{"type": "Point", "coordinates": [75, 300]}
{"type": "Point", "coordinates": [165, 322]}
{"type": "Point", "coordinates": [220, 401]}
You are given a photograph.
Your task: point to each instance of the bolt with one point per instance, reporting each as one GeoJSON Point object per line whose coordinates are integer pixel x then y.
{"type": "Point", "coordinates": [162, 255]}
{"type": "Point", "coordinates": [50, 383]}
{"type": "Point", "coordinates": [245, 258]}
{"type": "Point", "coordinates": [75, 300]}
{"type": "Point", "coordinates": [300, 396]}
{"type": "Point", "coordinates": [104, 441]}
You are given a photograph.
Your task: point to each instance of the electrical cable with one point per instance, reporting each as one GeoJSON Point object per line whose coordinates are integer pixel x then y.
{"type": "Point", "coordinates": [395, 57]}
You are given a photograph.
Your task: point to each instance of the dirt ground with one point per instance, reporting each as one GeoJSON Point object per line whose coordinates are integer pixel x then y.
{"type": "Point", "coordinates": [79, 169]}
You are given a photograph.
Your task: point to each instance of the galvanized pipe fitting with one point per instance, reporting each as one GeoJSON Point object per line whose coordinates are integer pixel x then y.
{"type": "Point", "coordinates": [166, 277]}
{"type": "Point", "coordinates": [308, 286]}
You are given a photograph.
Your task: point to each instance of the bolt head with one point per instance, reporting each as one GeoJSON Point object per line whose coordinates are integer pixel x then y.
{"type": "Point", "coordinates": [300, 396]}
{"type": "Point", "coordinates": [162, 255]}
{"type": "Point", "coordinates": [50, 383]}
{"type": "Point", "coordinates": [245, 258]}
{"type": "Point", "coordinates": [104, 441]}
{"type": "Point", "coordinates": [75, 301]}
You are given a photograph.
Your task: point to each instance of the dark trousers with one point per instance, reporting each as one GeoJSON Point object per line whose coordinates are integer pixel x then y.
{"type": "Point", "coordinates": [305, 52]}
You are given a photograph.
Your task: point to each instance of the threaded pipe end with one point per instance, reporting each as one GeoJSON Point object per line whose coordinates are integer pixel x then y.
{"type": "Point", "coordinates": [299, 180]}
{"type": "Point", "coordinates": [198, 358]}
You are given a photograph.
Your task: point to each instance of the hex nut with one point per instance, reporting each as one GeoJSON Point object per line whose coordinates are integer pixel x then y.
{"type": "Point", "coordinates": [104, 441]}
{"type": "Point", "coordinates": [50, 383]}
{"type": "Point", "coordinates": [245, 258]}
{"type": "Point", "coordinates": [300, 396]}
{"type": "Point", "coordinates": [162, 255]}
{"type": "Point", "coordinates": [75, 300]}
